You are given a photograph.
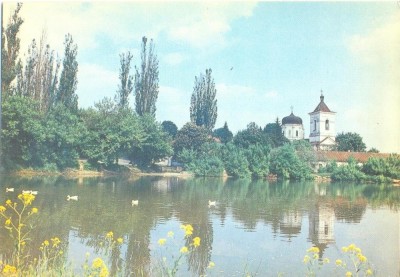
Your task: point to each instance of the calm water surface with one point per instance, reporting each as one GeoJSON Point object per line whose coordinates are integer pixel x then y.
{"type": "Point", "coordinates": [256, 226]}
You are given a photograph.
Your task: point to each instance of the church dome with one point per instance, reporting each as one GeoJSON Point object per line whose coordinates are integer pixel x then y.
{"type": "Point", "coordinates": [292, 119]}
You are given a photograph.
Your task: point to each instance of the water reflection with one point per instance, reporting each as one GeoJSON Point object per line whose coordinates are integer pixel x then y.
{"type": "Point", "coordinates": [105, 205]}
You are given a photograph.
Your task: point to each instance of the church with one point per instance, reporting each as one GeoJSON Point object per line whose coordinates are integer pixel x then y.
{"type": "Point", "coordinates": [322, 127]}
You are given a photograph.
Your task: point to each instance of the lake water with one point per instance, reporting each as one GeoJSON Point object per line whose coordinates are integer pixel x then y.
{"type": "Point", "coordinates": [256, 227]}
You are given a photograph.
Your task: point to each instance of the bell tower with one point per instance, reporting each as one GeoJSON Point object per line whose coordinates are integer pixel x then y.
{"type": "Point", "coordinates": [322, 126]}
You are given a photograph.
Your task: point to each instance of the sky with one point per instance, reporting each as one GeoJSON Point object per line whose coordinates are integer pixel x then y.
{"type": "Point", "coordinates": [265, 57]}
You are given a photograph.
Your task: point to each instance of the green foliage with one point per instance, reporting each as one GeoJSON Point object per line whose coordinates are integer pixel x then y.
{"type": "Point", "coordinates": [68, 79]}
{"type": "Point", "coordinates": [126, 86]}
{"type": "Point", "coordinates": [373, 150]}
{"type": "Point", "coordinates": [203, 105]}
{"type": "Point", "coordinates": [190, 136]}
{"type": "Point", "coordinates": [258, 159]}
{"type": "Point", "coordinates": [250, 136]}
{"type": "Point", "coordinates": [389, 167]}
{"type": "Point", "coordinates": [63, 137]}
{"type": "Point", "coordinates": [286, 163]}
{"type": "Point", "coordinates": [111, 132]}
{"type": "Point", "coordinates": [10, 51]}
{"type": "Point", "coordinates": [350, 142]}
{"type": "Point", "coordinates": [146, 81]}
{"type": "Point", "coordinates": [207, 166]}
{"type": "Point", "coordinates": [223, 134]}
{"type": "Point", "coordinates": [274, 133]}
{"type": "Point", "coordinates": [305, 152]}
{"type": "Point", "coordinates": [155, 144]}
{"type": "Point", "coordinates": [235, 161]}
{"type": "Point", "coordinates": [348, 172]}
{"type": "Point", "coordinates": [23, 135]}
{"type": "Point", "coordinates": [170, 128]}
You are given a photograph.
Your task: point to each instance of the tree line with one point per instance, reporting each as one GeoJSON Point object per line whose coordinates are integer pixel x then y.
{"type": "Point", "coordinates": [43, 127]}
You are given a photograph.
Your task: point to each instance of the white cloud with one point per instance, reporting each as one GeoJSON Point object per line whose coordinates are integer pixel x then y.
{"type": "Point", "coordinates": [95, 83]}
{"type": "Point", "coordinates": [174, 58]}
{"type": "Point", "coordinates": [377, 52]}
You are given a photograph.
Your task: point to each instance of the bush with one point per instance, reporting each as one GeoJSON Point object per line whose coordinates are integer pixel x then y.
{"type": "Point", "coordinates": [349, 172]}
{"type": "Point", "coordinates": [389, 167]}
{"type": "Point", "coordinates": [235, 161]}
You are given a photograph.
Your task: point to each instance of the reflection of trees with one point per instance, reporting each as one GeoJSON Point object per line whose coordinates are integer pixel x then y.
{"type": "Point", "coordinates": [105, 205]}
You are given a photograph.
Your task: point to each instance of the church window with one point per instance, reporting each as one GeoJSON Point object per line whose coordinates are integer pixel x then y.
{"type": "Point", "coordinates": [315, 125]}
{"type": "Point", "coordinates": [327, 124]}
{"type": "Point", "coordinates": [297, 133]}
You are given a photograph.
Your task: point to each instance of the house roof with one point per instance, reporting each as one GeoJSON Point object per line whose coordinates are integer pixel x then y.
{"type": "Point", "coordinates": [360, 157]}
{"type": "Point", "coordinates": [322, 107]}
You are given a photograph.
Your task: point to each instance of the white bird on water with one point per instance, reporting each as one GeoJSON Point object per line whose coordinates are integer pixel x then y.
{"type": "Point", "coordinates": [135, 202]}
{"type": "Point", "coordinates": [34, 192]}
{"type": "Point", "coordinates": [75, 197]}
{"type": "Point", "coordinates": [212, 203]}
{"type": "Point", "coordinates": [9, 189]}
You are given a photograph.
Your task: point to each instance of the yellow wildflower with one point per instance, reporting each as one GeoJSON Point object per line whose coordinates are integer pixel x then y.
{"type": "Point", "coordinates": [8, 202]}
{"type": "Point", "coordinates": [97, 263]}
{"type": "Point", "coordinates": [110, 235]}
{"type": "Point", "coordinates": [306, 259]}
{"type": "Point", "coordinates": [313, 249]}
{"type": "Point", "coordinates": [46, 242]}
{"type": "Point", "coordinates": [61, 252]}
{"type": "Point", "coordinates": [56, 241]}
{"type": "Point", "coordinates": [8, 221]}
{"type": "Point", "coordinates": [27, 198]}
{"type": "Point", "coordinates": [361, 257]}
{"type": "Point", "coordinates": [9, 269]}
{"type": "Point", "coordinates": [368, 272]}
{"type": "Point", "coordinates": [345, 249]}
{"type": "Point", "coordinates": [162, 241]}
{"type": "Point", "coordinates": [103, 272]}
{"type": "Point", "coordinates": [211, 265]}
{"type": "Point", "coordinates": [352, 247]}
{"type": "Point", "coordinates": [349, 274]}
{"type": "Point", "coordinates": [184, 249]}
{"type": "Point", "coordinates": [34, 210]}
{"type": "Point", "coordinates": [339, 262]}
{"type": "Point", "coordinates": [2, 209]}
{"type": "Point", "coordinates": [170, 234]}
{"type": "Point", "coordinates": [188, 229]}
{"type": "Point", "coordinates": [120, 240]}
{"type": "Point", "coordinates": [196, 241]}
{"type": "Point", "coordinates": [358, 250]}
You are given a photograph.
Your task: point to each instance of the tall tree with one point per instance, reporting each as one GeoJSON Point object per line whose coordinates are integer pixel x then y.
{"type": "Point", "coordinates": [170, 128]}
{"type": "Point", "coordinates": [203, 106]}
{"type": "Point", "coordinates": [146, 81]}
{"type": "Point", "coordinates": [68, 80]}
{"type": "Point", "coordinates": [274, 132]}
{"type": "Point", "coordinates": [126, 86]}
{"type": "Point", "coordinates": [10, 45]}
{"type": "Point", "coordinates": [223, 134]}
{"type": "Point", "coordinates": [352, 142]}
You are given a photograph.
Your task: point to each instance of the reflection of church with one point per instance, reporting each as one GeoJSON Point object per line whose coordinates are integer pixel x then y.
{"type": "Point", "coordinates": [321, 226]}
{"type": "Point", "coordinates": [322, 127]}
{"type": "Point", "coordinates": [290, 225]}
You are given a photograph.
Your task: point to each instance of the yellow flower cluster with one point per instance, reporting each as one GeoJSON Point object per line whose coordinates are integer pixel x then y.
{"type": "Point", "coordinates": [110, 235]}
{"type": "Point", "coordinates": [56, 241]}
{"type": "Point", "coordinates": [2, 209]}
{"type": "Point", "coordinates": [188, 229]}
{"type": "Point", "coordinates": [98, 264]}
{"type": "Point", "coordinates": [196, 241]}
{"type": "Point", "coordinates": [184, 250]}
{"type": "Point", "coordinates": [162, 241]}
{"type": "Point", "coordinates": [339, 262]}
{"type": "Point", "coordinates": [313, 250]}
{"type": "Point", "coordinates": [26, 198]}
{"type": "Point", "coordinates": [211, 265]}
{"type": "Point", "coordinates": [34, 211]}
{"type": "Point", "coordinates": [120, 240]}
{"type": "Point", "coordinates": [9, 269]}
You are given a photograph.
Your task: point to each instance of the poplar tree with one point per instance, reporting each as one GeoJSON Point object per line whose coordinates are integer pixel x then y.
{"type": "Point", "coordinates": [68, 79]}
{"type": "Point", "coordinates": [203, 106]}
{"type": "Point", "coordinates": [126, 86]}
{"type": "Point", "coordinates": [10, 46]}
{"type": "Point", "coordinates": [146, 81]}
